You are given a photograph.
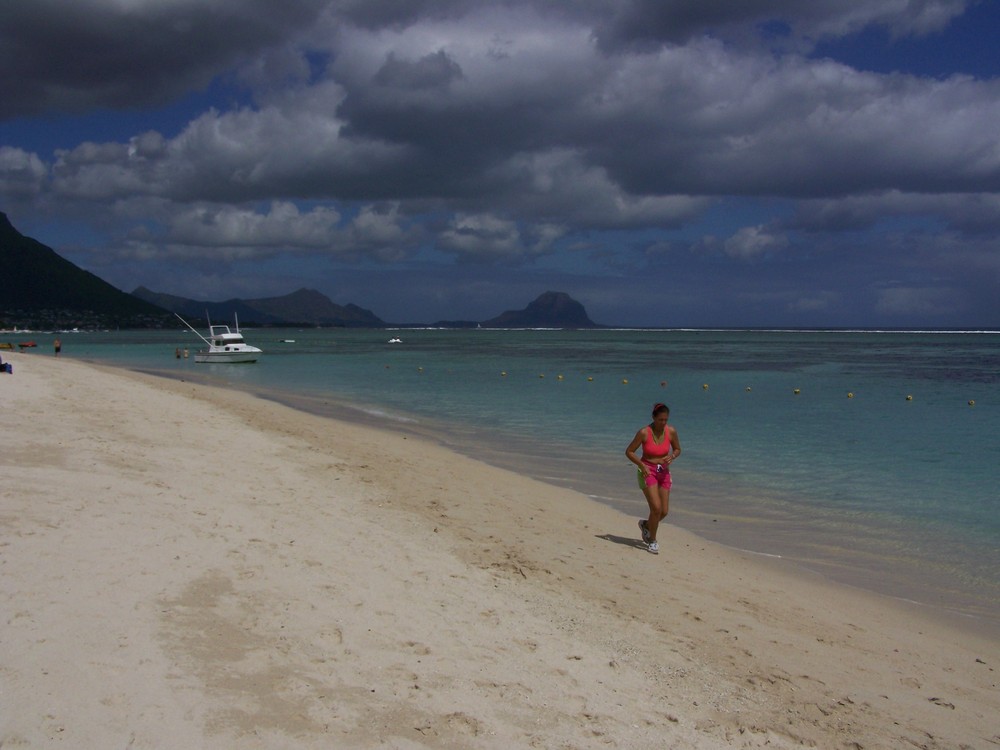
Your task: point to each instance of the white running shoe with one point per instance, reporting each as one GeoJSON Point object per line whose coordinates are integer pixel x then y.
{"type": "Point", "coordinates": [654, 547]}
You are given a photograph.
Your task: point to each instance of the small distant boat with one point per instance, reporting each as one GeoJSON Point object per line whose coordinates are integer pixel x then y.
{"type": "Point", "coordinates": [224, 345]}
{"type": "Point", "coordinates": [395, 340]}
{"type": "Point", "coordinates": [287, 341]}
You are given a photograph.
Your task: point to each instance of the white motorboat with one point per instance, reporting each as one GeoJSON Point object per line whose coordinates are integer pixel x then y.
{"type": "Point", "coordinates": [224, 345]}
{"type": "Point", "coordinates": [395, 340]}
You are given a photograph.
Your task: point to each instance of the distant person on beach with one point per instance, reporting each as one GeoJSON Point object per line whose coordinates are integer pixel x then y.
{"type": "Point", "coordinates": [57, 344]}
{"type": "Point", "coordinates": [660, 446]}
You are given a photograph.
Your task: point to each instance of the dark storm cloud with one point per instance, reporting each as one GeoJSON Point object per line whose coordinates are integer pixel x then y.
{"type": "Point", "coordinates": [432, 71]}
{"type": "Point", "coordinates": [382, 14]}
{"type": "Point", "coordinates": [624, 24]}
{"type": "Point", "coordinates": [58, 56]}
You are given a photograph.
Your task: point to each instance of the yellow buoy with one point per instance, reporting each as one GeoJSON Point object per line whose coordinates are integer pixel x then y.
{"type": "Point", "coordinates": [541, 375]}
{"type": "Point", "coordinates": [796, 391]}
{"type": "Point", "coordinates": [972, 403]}
{"type": "Point", "coordinates": [503, 374]}
{"type": "Point", "coordinates": [909, 398]}
{"type": "Point", "coordinates": [420, 369]}
{"type": "Point", "coordinates": [850, 395]}
{"type": "Point", "coordinates": [748, 389]}
{"type": "Point", "coordinates": [559, 377]}
{"type": "Point", "coordinates": [704, 386]}
{"type": "Point", "coordinates": [624, 381]}
{"type": "Point", "coordinates": [590, 380]}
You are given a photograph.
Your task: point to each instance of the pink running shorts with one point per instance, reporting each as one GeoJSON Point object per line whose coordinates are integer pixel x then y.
{"type": "Point", "coordinates": [658, 475]}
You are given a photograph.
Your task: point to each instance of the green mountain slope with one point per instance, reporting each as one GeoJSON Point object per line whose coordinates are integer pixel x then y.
{"type": "Point", "coordinates": [41, 289]}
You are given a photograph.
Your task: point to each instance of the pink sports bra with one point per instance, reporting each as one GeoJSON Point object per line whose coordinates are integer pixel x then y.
{"type": "Point", "coordinates": [652, 449]}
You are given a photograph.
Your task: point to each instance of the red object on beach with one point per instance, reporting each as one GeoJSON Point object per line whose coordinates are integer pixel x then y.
{"type": "Point", "coordinates": [26, 344]}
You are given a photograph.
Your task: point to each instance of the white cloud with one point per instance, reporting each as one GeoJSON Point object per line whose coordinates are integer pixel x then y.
{"type": "Point", "coordinates": [282, 226]}
{"type": "Point", "coordinates": [559, 185]}
{"type": "Point", "coordinates": [22, 174]}
{"type": "Point", "coordinates": [227, 233]}
{"type": "Point", "coordinates": [482, 237]}
{"type": "Point", "coordinates": [750, 243]}
{"type": "Point", "coordinates": [379, 232]}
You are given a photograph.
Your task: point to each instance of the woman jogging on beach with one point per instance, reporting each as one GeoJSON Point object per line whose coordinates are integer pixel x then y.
{"type": "Point", "coordinates": [660, 446]}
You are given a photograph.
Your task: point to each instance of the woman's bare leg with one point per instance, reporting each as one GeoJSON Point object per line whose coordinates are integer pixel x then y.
{"type": "Point", "coordinates": [653, 500]}
{"type": "Point", "coordinates": [658, 499]}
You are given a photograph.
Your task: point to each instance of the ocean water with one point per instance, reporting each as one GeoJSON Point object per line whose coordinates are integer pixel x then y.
{"type": "Point", "coordinates": [870, 457]}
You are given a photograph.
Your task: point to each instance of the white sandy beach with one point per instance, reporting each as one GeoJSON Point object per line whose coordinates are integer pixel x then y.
{"type": "Point", "coordinates": [189, 567]}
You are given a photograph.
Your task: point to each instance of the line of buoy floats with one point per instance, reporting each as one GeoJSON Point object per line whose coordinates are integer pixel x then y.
{"type": "Point", "coordinates": [704, 386]}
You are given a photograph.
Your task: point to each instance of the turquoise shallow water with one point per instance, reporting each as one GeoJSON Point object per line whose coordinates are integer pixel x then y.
{"type": "Point", "coordinates": [900, 496]}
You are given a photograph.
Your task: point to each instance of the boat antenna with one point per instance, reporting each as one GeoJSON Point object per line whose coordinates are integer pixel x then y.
{"type": "Point", "coordinates": [194, 330]}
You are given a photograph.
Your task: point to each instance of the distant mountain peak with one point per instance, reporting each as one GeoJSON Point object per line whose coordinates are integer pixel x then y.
{"type": "Point", "coordinates": [548, 310]}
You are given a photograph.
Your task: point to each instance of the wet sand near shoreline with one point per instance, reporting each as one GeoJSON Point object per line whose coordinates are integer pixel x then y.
{"type": "Point", "coordinates": [748, 519]}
